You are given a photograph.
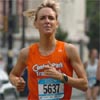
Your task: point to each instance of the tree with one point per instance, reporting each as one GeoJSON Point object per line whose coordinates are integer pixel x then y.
{"type": "Point", "coordinates": [61, 35]}
{"type": "Point", "coordinates": [93, 14]}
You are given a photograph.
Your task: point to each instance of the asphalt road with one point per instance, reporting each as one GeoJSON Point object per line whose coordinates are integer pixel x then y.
{"type": "Point", "coordinates": [82, 97]}
{"type": "Point", "coordinates": [76, 95]}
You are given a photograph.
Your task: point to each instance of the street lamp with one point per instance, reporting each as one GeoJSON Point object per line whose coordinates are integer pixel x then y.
{"type": "Point", "coordinates": [5, 24]}
{"type": "Point", "coordinates": [23, 27]}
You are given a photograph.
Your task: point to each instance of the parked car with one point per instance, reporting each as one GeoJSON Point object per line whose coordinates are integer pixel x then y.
{"type": "Point", "coordinates": [7, 90]}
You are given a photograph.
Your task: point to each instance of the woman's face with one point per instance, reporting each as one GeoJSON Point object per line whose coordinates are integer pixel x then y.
{"type": "Point", "coordinates": [94, 54]}
{"type": "Point", "coordinates": [46, 21]}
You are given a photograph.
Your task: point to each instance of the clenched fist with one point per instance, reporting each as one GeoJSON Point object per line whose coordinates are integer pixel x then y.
{"type": "Point", "coordinates": [19, 84]}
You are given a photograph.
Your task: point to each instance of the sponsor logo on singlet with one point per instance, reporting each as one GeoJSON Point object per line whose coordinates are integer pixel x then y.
{"type": "Point", "coordinates": [37, 68]}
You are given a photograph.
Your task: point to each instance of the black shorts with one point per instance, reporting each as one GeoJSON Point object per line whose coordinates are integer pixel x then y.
{"type": "Point", "coordinates": [97, 83]}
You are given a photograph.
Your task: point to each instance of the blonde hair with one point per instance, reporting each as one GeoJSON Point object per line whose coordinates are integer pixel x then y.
{"type": "Point", "coordinates": [33, 13]}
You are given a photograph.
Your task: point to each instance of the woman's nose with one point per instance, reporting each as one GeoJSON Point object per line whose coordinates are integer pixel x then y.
{"type": "Point", "coordinates": [47, 19]}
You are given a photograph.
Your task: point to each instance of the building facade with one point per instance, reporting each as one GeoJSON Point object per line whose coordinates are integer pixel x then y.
{"type": "Point", "coordinates": [72, 20]}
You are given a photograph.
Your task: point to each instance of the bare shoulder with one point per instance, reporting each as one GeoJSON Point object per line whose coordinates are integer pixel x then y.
{"type": "Point", "coordinates": [99, 63]}
{"type": "Point", "coordinates": [24, 53]}
{"type": "Point", "coordinates": [71, 50]}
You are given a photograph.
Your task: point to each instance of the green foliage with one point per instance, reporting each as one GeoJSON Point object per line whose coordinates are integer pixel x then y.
{"type": "Point", "coordinates": [94, 26]}
{"type": "Point", "coordinates": [92, 6]}
{"type": "Point", "coordinates": [93, 14]}
{"type": "Point", "coordinates": [60, 34]}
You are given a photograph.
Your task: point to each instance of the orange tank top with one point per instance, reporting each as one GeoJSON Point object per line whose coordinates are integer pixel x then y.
{"type": "Point", "coordinates": [42, 87]}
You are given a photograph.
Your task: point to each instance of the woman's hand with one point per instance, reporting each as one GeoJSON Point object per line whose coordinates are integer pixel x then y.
{"type": "Point", "coordinates": [19, 83]}
{"type": "Point", "coordinates": [52, 72]}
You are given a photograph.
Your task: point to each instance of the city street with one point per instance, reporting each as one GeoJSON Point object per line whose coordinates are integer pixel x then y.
{"type": "Point", "coordinates": [81, 97]}
{"type": "Point", "coordinates": [41, 51]}
{"type": "Point", "coordinates": [76, 95]}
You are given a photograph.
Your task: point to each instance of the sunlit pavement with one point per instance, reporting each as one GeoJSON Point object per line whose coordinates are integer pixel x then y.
{"type": "Point", "coordinates": [79, 95]}
{"type": "Point", "coordinates": [23, 98]}
{"type": "Point", "coordinates": [82, 97]}
{"type": "Point", "coordinates": [76, 95]}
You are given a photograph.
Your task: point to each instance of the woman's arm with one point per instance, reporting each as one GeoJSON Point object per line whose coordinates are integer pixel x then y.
{"type": "Point", "coordinates": [16, 72]}
{"type": "Point", "coordinates": [80, 82]}
{"type": "Point", "coordinates": [98, 70]}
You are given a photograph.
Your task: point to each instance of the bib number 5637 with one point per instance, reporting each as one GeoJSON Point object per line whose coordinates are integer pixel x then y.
{"type": "Point", "coordinates": [50, 88]}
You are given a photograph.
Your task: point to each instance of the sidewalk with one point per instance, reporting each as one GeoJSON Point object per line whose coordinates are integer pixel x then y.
{"type": "Point", "coordinates": [76, 92]}
{"type": "Point", "coordinates": [79, 95]}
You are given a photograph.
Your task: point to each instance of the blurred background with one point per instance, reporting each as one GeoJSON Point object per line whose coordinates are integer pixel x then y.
{"type": "Point", "coordinates": [79, 24]}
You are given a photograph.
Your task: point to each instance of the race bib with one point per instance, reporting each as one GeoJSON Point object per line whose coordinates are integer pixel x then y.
{"type": "Point", "coordinates": [50, 89]}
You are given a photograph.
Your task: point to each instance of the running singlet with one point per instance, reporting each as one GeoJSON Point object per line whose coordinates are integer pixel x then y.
{"type": "Point", "coordinates": [91, 72]}
{"type": "Point", "coordinates": [42, 87]}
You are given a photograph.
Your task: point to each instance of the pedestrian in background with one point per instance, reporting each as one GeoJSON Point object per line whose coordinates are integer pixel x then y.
{"type": "Point", "coordinates": [91, 69]}
{"type": "Point", "coordinates": [50, 62]}
{"type": "Point", "coordinates": [2, 63]}
{"type": "Point", "coordinates": [98, 74]}
{"type": "Point", "coordinates": [98, 69]}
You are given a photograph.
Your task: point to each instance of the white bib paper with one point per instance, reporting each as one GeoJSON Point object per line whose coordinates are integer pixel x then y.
{"type": "Point", "coordinates": [50, 89]}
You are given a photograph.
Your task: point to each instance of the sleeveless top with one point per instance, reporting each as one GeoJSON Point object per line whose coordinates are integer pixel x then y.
{"type": "Point", "coordinates": [91, 72]}
{"type": "Point", "coordinates": [42, 87]}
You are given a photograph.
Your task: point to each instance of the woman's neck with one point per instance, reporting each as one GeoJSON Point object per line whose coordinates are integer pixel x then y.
{"type": "Point", "coordinates": [92, 61]}
{"type": "Point", "coordinates": [47, 43]}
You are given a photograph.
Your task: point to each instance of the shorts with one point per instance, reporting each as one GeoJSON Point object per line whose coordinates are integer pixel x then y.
{"type": "Point", "coordinates": [97, 83]}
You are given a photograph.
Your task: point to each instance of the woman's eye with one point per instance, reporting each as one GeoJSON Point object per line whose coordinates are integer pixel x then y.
{"type": "Point", "coordinates": [51, 17]}
{"type": "Point", "coordinates": [43, 17]}
{"type": "Point", "coordinates": [48, 17]}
